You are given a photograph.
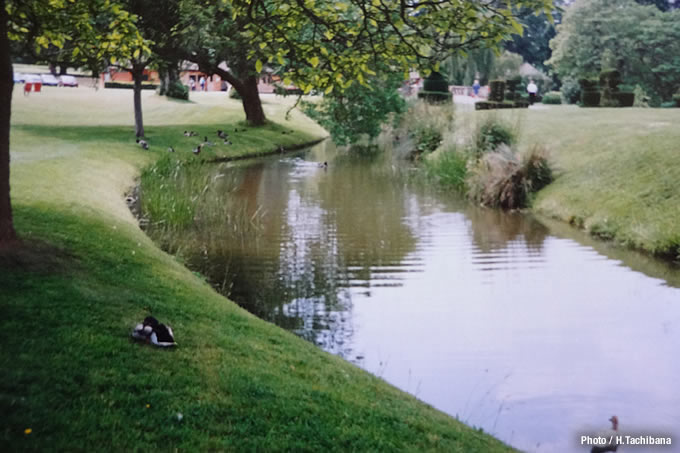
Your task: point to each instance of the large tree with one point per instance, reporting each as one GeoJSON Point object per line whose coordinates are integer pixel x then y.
{"type": "Point", "coordinates": [52, 22]}
{"type": "Point", "coordinates": [328, 45]}
{"type": "Point", "coordinates": [642, 42]}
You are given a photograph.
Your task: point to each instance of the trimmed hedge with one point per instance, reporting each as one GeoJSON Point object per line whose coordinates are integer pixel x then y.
{"type": "Point", "coordinates": [590, 98]}
{"type": "Point", "coordinates": [490, 105]}
{"type": "Point", "coordinates": [624, 98]}
{"type": "Point", "coordinates": [130, 85]}
{"type": "Point", "coordinates": [553, 97]}
{"type": "Point", "coordinates": [435, 97]}
{"type": "Point", "coordinates": [496, 91]}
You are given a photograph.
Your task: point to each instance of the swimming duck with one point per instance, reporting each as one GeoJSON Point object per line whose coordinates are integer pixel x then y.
{"type": "Point", "coordinates": [609, 434]}
{"type": "Point", "coordinates": [142, 143]}
{"type": "Point", "coordinates": [324, 165]}
{"type": "Point", "coordinates": [152, 331]}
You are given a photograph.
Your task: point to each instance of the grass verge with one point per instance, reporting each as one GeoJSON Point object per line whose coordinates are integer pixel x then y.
{"type": "Point", "coordinates": [71, 378]}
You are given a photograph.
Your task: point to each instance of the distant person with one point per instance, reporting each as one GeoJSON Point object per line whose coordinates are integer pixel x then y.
{"type": "Point", "coordinates": [192, 84]}
{"type": "Point", "coordinates": [532, 89]}
{"type": "Point", "coordinates": [475, 88]}
{"type": "Point", "coordinates": [202, 82]}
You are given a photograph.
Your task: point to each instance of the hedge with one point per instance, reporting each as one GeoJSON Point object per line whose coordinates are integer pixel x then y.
{"type": "Point", "coordinates": [490, 105]}
{"type": "Point", "coordinates": [130, 85]}
{"type": "Point", "coordinates": [553, 97]}
{"type": "Point", "coordinates": [435, 97]}
{"type": "Point", "coordinates": [590, 98]}
{"type": "Point", "coordinates": [624, 98]}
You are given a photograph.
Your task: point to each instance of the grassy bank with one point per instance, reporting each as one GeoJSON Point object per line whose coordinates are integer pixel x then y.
{"type": "Point", "coordinates": [71, 379]}
{"type": "Point", "coordinates": [618, 173]}
{"type": "Point", "coordinates": [616, 169]}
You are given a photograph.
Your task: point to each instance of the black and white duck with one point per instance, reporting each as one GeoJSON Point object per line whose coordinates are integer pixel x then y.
{"type": "Point", "coordinates": [152, 331]}
{"type": "Point", "coordinates": [143, 143]}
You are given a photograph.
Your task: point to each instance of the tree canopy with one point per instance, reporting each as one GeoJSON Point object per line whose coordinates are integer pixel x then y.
{"type": "Point", "coordinates": [642, 42]}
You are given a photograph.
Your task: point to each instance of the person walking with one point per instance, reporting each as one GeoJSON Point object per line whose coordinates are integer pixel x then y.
{"type": "Point", "coordinates": [202, 82]}
{"type": "Point", "coordinates": [475, 88]}
{"type": "Point", "coordinates": [532, 89]}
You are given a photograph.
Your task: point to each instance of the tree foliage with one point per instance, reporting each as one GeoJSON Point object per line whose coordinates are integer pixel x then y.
{"type": "Point", "coordinates": [642, 42]}
{"type": "Point", "coordinates": [359, 110]}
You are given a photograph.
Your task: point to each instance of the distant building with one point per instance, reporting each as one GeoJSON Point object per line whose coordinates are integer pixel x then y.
{"type": "Point", "coordinates": [191, 72]}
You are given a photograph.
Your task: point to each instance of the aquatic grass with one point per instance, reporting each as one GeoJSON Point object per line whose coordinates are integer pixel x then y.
{"type": "Point", "coordinates": [506, 179]}
{"type": "Point", "coordinates": [448, 169]}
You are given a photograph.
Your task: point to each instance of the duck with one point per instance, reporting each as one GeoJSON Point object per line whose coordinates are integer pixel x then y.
{"type": "Point", "coordinates": [324, 165]}
{"type": "Point", "coordinates": [142, 143]}
{"type": "Point", "coordinates": [152, 331]}
{"type": "Point", "coordinates": [221, 134]}
{"type": "Point", "coordinates": [206, 142]}
{"type": "Point", "coordinates": [197, 150]}
{"type": "Point", "coordinates": [227, 142]}
{"type": "Point", "coordinates": [610, 434]}
{"type": "Point", "coordinates": [171, 149]}
{"type": "Point", "coordinates": [187, 134]}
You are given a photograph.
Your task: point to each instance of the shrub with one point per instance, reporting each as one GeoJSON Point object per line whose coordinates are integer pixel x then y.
{"type": "Point", "coordinates": [641, 98]}
{"type": "Point", "coordinates": [492, 133]}
{"type": "Point", "coordinates": [233, 94]}
{"type": "Point", "coordinates": [571, 91]}
{"type": "Point", "coordinates": [668, 105]}
{"type": "Point", "coordinates": [427, 139]}
{"type": "Point", "coordinates": [676, 99]}
{"type": "Point", "coordinates": [177, 90]}
{"type": "Point", "coordinates": [496, 90]}
{"type": "Point", "coordinates": [554, 97]}
{"type": "Point", "coordinates": [435, 97]}
{"type": "Point", "coordinates": [130, 85]}
{"type": "Point", "coordinates": [504, 179]}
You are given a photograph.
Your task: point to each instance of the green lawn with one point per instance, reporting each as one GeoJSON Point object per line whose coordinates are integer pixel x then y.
{"type": "Point", "coordinates": [618, 172]}
{"type": "Point", "coordinates": [71, 379]}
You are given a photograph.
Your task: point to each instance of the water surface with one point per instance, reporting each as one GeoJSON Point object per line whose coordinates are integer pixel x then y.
{"type": "Point", "coordinates": [534, 334]}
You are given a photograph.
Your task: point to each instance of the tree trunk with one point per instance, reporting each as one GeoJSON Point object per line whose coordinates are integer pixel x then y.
{"type": "Point", "coordinates": [137, 74]}
{"type": "Point", "coordinates": [7, 233]}
{"type": "Point", "coordinates": [246, 88]}
{"type": "Point", "coordinates": [252, 104]}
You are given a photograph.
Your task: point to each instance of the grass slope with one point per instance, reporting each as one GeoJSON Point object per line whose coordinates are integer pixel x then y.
{"type": "Point", "coordinates": [618, 173]}
{"type": "Point", "coordinates": [68, 370]}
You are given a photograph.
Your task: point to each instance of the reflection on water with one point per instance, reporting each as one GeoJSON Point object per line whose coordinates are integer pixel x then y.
{"type": "Point", "coordinates": [486, 315]}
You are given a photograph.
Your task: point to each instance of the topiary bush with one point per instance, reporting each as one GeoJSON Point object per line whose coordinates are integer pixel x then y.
{"type": "Point", "coordinates": [496, 91]}
{"type": "Point", "coordinates": [554, 97]}
{"type": "Point", "coordinates": [436, 82]}
{"type": "Point", "coordinates": [435, 97]}
{"type": "Point", "coordinates": [624, 99]}
{"type": "Point", "coordinates": [590, 93]}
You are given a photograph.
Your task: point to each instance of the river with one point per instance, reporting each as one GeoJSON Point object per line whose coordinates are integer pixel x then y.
{"type": "Point", "coordinates": [531, 331]}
